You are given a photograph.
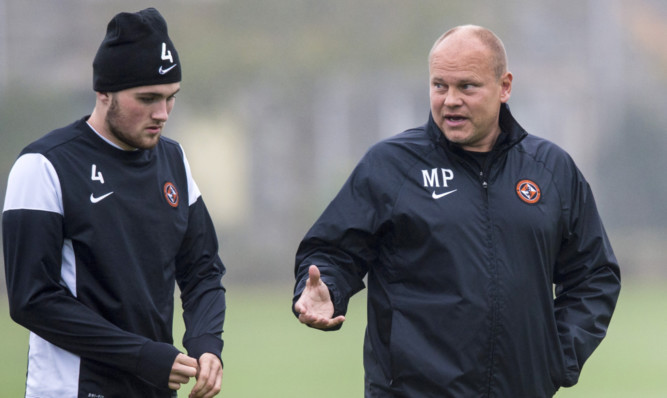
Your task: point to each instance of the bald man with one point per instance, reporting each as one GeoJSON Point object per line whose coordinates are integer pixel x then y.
{"type": "Point", "coordinates": [489, 270]}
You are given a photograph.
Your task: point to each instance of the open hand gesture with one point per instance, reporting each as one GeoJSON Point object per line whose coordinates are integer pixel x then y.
{"type": "Point", "coordinates": [314, 306]}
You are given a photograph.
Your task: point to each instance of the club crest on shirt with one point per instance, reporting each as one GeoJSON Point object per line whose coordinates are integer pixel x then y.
{"type": "Point", "coordinates": [528, 191]}
{"type": "Point", "coordinates": [170, 194]}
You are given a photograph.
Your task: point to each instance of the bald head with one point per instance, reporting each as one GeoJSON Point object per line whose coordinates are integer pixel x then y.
{"type": "Point", "coordinates": [482, 35]}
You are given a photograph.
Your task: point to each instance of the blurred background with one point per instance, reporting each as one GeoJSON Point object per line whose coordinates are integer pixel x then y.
{"type": "Point", "coordinates": [280, 99]}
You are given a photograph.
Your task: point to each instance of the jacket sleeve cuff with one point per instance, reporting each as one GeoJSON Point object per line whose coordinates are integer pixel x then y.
{"type": "Point", "coordinates": [204, 344]}
{"type": "Point", "coordinates": [155, 362]}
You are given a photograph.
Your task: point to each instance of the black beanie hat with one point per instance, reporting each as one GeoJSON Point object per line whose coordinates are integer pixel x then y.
{"type": "Point", "coordinates": [136, 51]}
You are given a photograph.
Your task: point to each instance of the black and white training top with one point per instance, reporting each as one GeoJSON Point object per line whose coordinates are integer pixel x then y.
{"type": "Point", "coordinates": [94, 238]}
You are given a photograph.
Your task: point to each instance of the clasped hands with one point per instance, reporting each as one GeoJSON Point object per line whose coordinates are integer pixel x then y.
{"type": "Point", "coordinates": [208, 371]}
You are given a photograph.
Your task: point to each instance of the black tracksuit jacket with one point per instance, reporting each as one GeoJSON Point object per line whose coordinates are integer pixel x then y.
{"type": "Point", "coordinates": [492, 281]}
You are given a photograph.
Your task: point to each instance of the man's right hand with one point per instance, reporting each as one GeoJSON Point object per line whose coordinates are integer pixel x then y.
{"type": "Point", "coordinates": [182, 370]}
{"type": "Point", "coordinates": [314, 306]}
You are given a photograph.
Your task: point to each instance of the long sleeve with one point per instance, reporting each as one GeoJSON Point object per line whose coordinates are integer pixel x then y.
{"type": "Point", "coordinates": [343, 242]}
{"type": "Point", "coordinates": [587, 278]}
{"type": "Point", "coordinates": [199, 271]}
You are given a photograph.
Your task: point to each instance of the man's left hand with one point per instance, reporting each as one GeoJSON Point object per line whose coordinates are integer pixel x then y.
{"type": "Point", "coordinates": [209, 377]}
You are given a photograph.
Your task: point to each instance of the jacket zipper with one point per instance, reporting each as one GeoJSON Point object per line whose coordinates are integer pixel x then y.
{"type": "Point", "coordinates": [483, 176]}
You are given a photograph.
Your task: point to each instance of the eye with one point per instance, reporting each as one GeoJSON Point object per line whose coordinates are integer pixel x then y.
{"type": "Point", "coordinates": [147, 100]}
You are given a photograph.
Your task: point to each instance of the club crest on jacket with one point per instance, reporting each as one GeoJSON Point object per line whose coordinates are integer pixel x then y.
{"type": "Point", "coordinates": [528, 191]}
{"type": "Point", "coordinates": [170, 194]}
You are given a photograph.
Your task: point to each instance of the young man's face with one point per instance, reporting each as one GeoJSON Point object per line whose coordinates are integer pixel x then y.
{"type": "Point", "coordinates": [135, 117]}
{"type": "Point", "coordinates": [466, 93]}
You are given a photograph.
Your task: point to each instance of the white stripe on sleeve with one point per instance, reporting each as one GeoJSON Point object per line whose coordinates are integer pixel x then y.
{"type": "Point", "coordinates": [33, 184]}
{"type": "Point", "coordinates": [193, 189]}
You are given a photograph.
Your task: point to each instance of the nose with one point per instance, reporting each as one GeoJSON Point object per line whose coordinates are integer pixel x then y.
{"type": "Point", "coordinates": [452, 98]}
{"type": "Point", "coordinates": [161, 111]}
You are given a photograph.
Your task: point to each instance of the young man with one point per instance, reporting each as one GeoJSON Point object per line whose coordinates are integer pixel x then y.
{"type": "Point", "coordinates": [101, 218]}
{"type": "Point", "coordinates": [463, 227]}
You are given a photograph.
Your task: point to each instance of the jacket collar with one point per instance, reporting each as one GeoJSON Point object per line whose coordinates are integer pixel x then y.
{"type": "Point", "coordinates": [511, 132]}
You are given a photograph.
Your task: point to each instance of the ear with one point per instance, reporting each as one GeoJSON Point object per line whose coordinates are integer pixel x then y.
{"type": "Point", "coordinates": [103, 98]}
{"type": "Point", "coordinates": [506, 87]}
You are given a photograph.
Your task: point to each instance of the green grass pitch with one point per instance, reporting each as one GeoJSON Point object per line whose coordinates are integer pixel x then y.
{"type": "Point", "coordinates": [268, 354]}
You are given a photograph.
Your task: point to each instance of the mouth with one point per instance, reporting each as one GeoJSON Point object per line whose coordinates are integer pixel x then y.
{"type": "Point", "coordinates": [155, 129]}
{"type": "Point", "coordinates": [455, 120]}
